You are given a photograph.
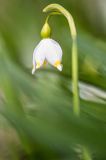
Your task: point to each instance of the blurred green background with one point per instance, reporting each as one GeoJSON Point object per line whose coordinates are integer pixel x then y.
{"type": "Point", "coordinates": [36, 118]}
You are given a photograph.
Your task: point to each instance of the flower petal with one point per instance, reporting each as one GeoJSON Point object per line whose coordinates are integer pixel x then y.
{"type": "Point", "coordinates": [60, 67]}
{"type": "Point", "coordinates": [53, 53]}
{"type": "Point", "coordinates": [38, 56]}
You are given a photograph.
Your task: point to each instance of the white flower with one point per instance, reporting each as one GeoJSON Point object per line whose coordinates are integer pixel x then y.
{"type": "Point", "coordinates": [47, 50]}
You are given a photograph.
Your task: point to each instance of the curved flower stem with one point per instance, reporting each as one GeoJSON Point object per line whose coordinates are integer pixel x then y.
{"type": "Point", "coordinates": [58, 8]}
{"type": "Point", "coordinates": [52, 13]}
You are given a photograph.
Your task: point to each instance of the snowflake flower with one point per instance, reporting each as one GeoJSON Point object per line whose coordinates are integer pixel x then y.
{"type": "Point", "coordinates": [48, 50]}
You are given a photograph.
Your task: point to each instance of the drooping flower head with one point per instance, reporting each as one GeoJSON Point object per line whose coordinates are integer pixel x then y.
{"type": "Point", "coordinates": [48, 50]}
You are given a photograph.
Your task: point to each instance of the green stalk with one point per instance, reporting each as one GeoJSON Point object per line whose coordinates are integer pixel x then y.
{"type": "Point", "coordinates": [58, 8]}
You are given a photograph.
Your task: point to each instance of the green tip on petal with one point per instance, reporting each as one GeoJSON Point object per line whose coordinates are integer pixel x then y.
{"type": "Point", "coordinates": [46, 31]}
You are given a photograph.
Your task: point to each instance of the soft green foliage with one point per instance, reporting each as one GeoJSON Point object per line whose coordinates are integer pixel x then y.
{"type": "Point", "coordinates": [37, 110]}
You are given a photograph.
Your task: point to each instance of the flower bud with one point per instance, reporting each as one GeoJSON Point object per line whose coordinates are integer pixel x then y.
{"type": "Point", "coordinates": [46, 31]}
